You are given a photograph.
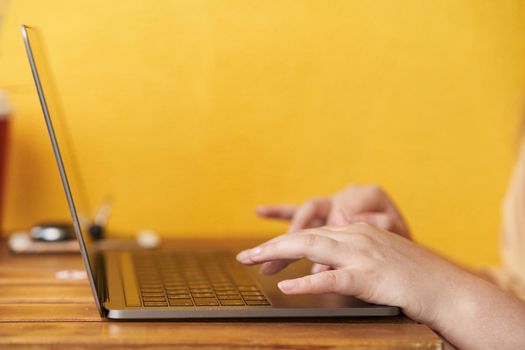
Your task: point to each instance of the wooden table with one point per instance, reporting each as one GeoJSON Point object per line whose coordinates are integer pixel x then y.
{"type": "Point", "coordinates": [38, 311]}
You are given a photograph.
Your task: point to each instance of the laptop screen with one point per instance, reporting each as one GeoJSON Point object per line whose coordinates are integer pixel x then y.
{"type": "Point", "coordinates": [63, 149]}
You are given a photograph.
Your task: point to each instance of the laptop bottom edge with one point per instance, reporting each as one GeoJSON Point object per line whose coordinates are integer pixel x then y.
{"type": "Point", "coordinates": [270, 312]}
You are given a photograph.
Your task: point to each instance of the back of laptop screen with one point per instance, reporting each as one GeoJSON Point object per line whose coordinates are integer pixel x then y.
{"type": "Point", "coordinates": [61, 140]}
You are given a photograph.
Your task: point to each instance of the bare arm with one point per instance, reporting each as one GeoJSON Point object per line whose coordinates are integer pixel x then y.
{"type": "Point", "coordinates": [384, 268]}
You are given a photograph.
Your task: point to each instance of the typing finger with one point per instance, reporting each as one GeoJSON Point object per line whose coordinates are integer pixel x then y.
{"type": "Point", "coordinates": [282, 212]}
{"type": "Point", "coordinates": [317, 248]}
{"type": "Point", "coordinates": [313, 209]}
{"type": "Point", "coordinates": [335, 281]}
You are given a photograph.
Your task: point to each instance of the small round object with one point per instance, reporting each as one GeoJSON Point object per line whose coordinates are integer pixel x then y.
{"type": "Point", "coordinates": [19, 241]}
{"type": "Point", "coordinates": [52, 232]}
{"type": "Point", "coordinates": [148, 239]}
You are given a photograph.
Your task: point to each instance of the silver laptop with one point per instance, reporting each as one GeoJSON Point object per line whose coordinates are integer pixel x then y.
{"type": "Point", "coordinates": [174, 284]}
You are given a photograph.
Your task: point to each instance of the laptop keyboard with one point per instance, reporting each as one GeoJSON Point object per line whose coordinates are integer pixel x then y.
{"type": "Point", "coordinates": [174, 279]}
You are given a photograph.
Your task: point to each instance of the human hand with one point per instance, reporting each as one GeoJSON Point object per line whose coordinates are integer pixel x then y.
{"type": "Point", "coordinates": [369, 263]}
{"type": "Point", "coordinates": [384, 268]}
{"type": "Point", "coordinates": [353, 204]}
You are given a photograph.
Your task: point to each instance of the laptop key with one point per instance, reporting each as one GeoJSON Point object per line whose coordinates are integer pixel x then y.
{"type": "Point", "coordinates": [206, 301]}
{"type": "Point", "coordinates": [232, 302]}
{"type": "Point", "coordinates": [152, 290]}
{"type": "Point", "coordinates": [229, 297]}
{"type": "Point", "coordinates": [174, 283]}
{"type": "Point", "coordinates": [178, 296]}
{"type": "Point", "coordinates": [203, 295]}
{"type": "Point", "coordinates": [180, 302]}
{"type": "Point", "coordinates": [254, 297]}
{"type": "Point", "coordinates": [155, 303]}
{"type": "Point", "coordinates": [229, 292]}
{"type": "Point", "coordinates": [257, 302]}
{"type": "Point", "coordinates": [201, 290]}
{"type": "Point", "coordinates": [186, 280]}
{"type": "Point", "coordinates": [248, 288]}
{"type": "Point", "coordinates": [153, 299]}
{"type": "Point", "coordinates": [222, 285]}
{"type": "Point", "coordinates": [152, 294]}
{"type": "Point", "coordinates": [176, 291]}
{"type": "Point", "coordinates": [251, 293]}
{"type": "Point", "coordinates": [150, 285]}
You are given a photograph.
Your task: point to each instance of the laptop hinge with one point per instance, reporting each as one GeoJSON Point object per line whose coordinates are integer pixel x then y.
{"type": "Point", "coordinates": [100, 276]}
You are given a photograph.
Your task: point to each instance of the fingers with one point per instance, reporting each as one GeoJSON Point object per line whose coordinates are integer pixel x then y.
{"type": "Point", "coordinates": [336, 232]}
{"type": "Point", "coordinates": [282, 212]}
{"type": "Point", "coordinates": [317, 208]}
{"type": "Point", "coordinates": [316, 268]}
{"type": "Point", "coordinates": [337, 217]}
{"type": "Point", "coordinates": [339, 233]}
{"type": "Point", "coordinates": [354, 200]}
{"type": "Point", "coordinates": [383, 221]}
{"type": "Point", "coordinates": [334, 281]}
{"type": "Point", "coordinates": [357, 200]}
{"type": "Point", "coordinates": [311, 214]}
{"type": "Point", "coordinates": [317, 248]}
{"type": "Point", "coordinates": [272, 267]}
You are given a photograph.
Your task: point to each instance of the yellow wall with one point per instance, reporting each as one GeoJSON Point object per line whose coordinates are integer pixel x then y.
{"type": "Point", "coordinates": [189, 113]}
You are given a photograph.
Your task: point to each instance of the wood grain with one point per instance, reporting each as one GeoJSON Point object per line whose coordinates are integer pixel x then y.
{"type": "Point", "coordinates": [37, 311]}
{"type": "Point", "coordinates": [49, 312]}
{"type": "Point", "coordinates": [45, 294]}
{"type": "Point", "coordinates": [219, 335]}
{"type": "Point", "coordinates": [36, 269]}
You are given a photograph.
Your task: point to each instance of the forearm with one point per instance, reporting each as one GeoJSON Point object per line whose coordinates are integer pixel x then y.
{"type": "Point", "coordinates": [480, 316]}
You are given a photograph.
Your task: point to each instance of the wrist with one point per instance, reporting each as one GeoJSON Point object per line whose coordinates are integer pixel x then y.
{"type": "Point", "coordinates": [447, 295]}
{"type": "Point", "coordinates": [475, 314]}
{"type": "Point", "coordinates": [460, 300]}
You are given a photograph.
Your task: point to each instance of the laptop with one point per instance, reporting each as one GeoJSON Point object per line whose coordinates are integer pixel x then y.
{"type": "Point", "coordinates": [134, 283]}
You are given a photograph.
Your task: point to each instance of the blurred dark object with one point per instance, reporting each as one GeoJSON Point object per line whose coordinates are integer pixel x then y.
{"type": "Point", "coordinates": [96, 232]}
{"type": "Point", "coordinates": [52, 232]}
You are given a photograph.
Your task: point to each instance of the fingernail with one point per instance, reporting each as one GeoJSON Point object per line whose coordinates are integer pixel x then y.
{"type": "Point", "coordinates": [316, 268]}
{"type": "Point", "coordinates": [242, 255]}
{"type": "Point", "coordinates": [287, 285]}
{"type": "Point", "coordinates": [255, 251]}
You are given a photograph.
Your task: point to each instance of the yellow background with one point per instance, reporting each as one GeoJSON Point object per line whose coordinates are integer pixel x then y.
{"type": "Point", "coordinates": [189, 113]}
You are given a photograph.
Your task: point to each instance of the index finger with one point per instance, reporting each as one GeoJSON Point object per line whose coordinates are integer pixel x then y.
{"type": "Point", "coordinates": [283, 211]}
{"type": "Point", "coordinates": [317, 248]}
